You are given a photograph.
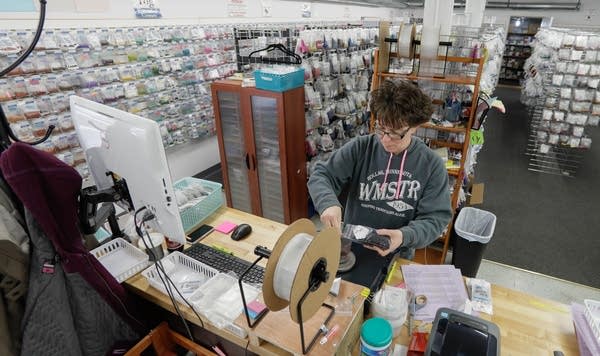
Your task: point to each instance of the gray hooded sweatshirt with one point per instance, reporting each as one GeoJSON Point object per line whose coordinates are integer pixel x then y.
{"type": "Point", "coordinates": [420, 208]}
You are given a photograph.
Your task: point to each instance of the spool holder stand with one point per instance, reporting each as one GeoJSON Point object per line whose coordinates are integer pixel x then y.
{"type": "Point", "coordinates": [317, 276]}
{"type": "Point", "coordinates": [261, 252]}
{"type": "Point", "coordinates": [414, 44]}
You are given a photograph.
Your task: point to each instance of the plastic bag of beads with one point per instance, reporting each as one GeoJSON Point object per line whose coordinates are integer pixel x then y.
{"type": "Point", "coordinates": [553, 139]}
{"type": "Point", "coordinates": [568, 80]}
{"type": "Point", "coordinates": [579, 94]}
{"type": "Point", "coordinates": [574, 142]}
{"type": "Point", "coordinates": [542, 136]}
{"type": "Point", "coordinates": [571, 118]}
{"type": "Point", "coordinates": [564, 105]}
{"type": "Point", "coordinates": [561, 67]}
{"type": "Point", "coordinates": [572, 67]}
{"type": "Point", "coordinates": [568, 40]}
{"type": "Point", "coordinates": [594, 42]}
{"type": "Point", "coordinates": [594, 70]}
{"type": "Point", "coordinates": [593, 83]}
{"type": "Point", "coordinates": [557, 79]}
{"type": "Point", "coordinates": [593, 120]}
{"type": "Point", "coordinates": [576, 55]}
{"type": "Point", "coordinates": [565, 93]}
{"type": "Point", "coordinates": [595, 109]}
{"type": "Point", "coordinates": [583, 69]}
{"type": "Point", "coordinates": [550, 102]}
{"type": "Point", "coordinates": [581, 42]}
{"type": "Point", "coordinates": [547, 114]}
{"type": "Point", "coordinates": [544, 148]}
{"type": "Point", "coordinates": [564, 54]}
{"type": "Point", "coordinates": [559, 116]}
{"type": "Point", "coordinates": [580, 106]}
{"type": "Point", "coordinates": [590, 56]}
{"type": "Point", "coordinates": [585, 142]}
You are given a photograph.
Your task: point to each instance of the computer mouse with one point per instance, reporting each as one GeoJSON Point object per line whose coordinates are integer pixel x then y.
{"type": "Point", "coordinates": [241, 231]}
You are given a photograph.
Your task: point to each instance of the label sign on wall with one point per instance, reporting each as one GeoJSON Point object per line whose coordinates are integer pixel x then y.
{"type": "Point", "coordinates": [146, 9]}
{"type": "Point", "coordinates": [267, 6]}
{"type": "Point", "coordinates": [306, 10]}
{"type": "Point", "coordinates": [237, 8]}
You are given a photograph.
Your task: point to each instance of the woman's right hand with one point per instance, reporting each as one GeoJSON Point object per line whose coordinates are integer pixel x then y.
{"type": "Point", "coordinates": [332, 217]}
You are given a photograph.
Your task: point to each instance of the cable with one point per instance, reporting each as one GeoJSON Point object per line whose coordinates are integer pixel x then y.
{"type": "Point", "coordinates": [160, 268]}
{"type": "Point", "coordinates": [246, 349]}
{"type": "Point", "coordinates": [5, 130]}
{"type": "Point", "coordinates": [36, 37]}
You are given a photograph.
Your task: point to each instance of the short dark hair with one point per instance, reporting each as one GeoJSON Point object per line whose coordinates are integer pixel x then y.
{"type": "Point", "coordinates": [399, 103]}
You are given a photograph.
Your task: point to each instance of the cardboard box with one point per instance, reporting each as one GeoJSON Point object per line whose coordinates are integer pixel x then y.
{"type": "Point", "coordinates": [476, 194]}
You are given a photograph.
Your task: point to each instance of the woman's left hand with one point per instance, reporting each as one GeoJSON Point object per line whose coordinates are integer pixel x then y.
{"type": "Point", "coordinates": [395, 237]}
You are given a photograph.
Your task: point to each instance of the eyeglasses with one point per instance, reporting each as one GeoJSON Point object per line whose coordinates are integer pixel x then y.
{"type": "Point", "coordinates": [395, 136]}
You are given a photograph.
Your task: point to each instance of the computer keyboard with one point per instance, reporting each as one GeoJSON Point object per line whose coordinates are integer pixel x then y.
{"type": "Point", "coordinates": [224, 262]}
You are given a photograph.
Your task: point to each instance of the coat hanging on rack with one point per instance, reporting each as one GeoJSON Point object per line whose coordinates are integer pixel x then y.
{"type": "Point", "coordinates": [70, 292]}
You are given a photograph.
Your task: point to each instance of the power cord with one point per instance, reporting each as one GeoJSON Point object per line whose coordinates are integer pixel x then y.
{"type": "Point", "coordinates": [166, 281]}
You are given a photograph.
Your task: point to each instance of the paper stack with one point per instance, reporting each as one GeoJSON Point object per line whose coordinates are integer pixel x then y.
{"type": "Point", "coordinates": [442, 285]}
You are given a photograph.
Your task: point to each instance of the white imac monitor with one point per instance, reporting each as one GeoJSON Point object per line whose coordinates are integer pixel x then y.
{"type": "Point", "coordinates": [129, 146]}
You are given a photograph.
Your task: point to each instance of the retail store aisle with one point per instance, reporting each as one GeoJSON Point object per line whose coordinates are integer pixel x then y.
{"type": "Point", "coordinates": [546, 223]}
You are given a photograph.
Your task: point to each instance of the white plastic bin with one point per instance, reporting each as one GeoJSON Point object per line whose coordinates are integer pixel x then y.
{"type": "Point", "coordinates": [475, 224]}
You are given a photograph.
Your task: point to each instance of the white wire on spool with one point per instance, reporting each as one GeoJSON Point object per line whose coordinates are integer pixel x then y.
{"type": "Point", "coordinates": [299, 252]}
{"type": "Point", "coordinates": [288, 263]}
{"type": "Point", "coordinates": [430, 41]}
{"type": "Point", "coordinates": [405, 40]}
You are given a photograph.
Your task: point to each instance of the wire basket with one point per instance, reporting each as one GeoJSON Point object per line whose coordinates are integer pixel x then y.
{"type": "Point", "coordinates": [185, 272]}
{"type": "Point", "coordinates": [120, 258]}
{"type": "Point", "coordinates": [192, 216]}
{"type": "Point", "coordinates": [592, 315]}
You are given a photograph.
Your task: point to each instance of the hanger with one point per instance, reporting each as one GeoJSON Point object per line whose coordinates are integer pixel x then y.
{"type": "Point", "coordinates": [294, 58]}
{"type": "Point", "coordinates": [6, 133]}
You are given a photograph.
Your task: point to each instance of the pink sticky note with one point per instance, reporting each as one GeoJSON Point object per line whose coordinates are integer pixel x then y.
{"type": "Point", "coordinates": [256, 306]}
{"type": "Point", "coordinates": [226, 227]}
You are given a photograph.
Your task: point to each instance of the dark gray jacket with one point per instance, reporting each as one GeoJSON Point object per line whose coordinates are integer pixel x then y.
{"type": "Point", "coordinates": [421, 207]}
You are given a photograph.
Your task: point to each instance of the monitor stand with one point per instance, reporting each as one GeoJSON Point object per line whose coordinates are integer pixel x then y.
{"type": "Point", "coordinates": [92, 217]}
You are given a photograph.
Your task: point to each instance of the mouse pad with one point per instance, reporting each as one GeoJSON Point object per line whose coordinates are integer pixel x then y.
{"type": "Point", "coordinates": [226, 227]}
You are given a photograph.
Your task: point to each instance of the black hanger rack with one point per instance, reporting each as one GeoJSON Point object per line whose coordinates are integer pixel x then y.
{"type": "Point", "coordinates": [289, 56]}
{"type": "Point", "coordinates": [6, 133]}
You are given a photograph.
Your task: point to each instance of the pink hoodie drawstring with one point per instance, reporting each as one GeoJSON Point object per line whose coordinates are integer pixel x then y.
{"type": "Point", "coordinates": [387, 170]}
{"type": "Point", "coordinates": [401, 173]}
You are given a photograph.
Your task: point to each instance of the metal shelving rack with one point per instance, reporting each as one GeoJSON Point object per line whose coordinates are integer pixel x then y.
{"type": "Point", "coordinates": [555, 158]}
{"type": "Point", "coordinates": [559, 160]}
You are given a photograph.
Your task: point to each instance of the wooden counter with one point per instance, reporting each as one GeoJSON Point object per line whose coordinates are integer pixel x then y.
{"type": "Point", "coordinates": [529, 325]}
{"type": "Point", "coordinates": [276, 334]}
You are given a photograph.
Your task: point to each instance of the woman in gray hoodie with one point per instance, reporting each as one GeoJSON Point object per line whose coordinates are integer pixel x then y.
{"type": "Point", "coordinates": [395, 183]}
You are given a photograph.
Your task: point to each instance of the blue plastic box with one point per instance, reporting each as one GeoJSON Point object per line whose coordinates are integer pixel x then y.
{"type": "Point", "coordinates": [279, 82]}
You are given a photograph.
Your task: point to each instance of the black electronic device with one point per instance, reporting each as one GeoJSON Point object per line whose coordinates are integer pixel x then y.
{"type": "Point", "coordinates": [241, 231]}
{"type": "Point", "coordinates": [200, 233]}
{"type": "Point", "coordinates": [365, 235]}
{"type": "Point", "coordinates": [456, 333]}
{"type": "Point", "coordinates": [225, 262]}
